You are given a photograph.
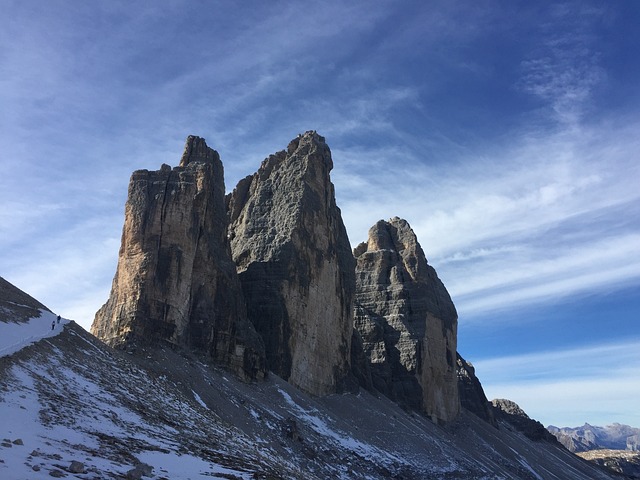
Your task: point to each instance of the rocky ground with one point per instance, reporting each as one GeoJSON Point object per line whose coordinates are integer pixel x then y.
{"type": "Point", "coordinates": [73, 407]}
{"type": "Point", "coordinates": [622, 461]}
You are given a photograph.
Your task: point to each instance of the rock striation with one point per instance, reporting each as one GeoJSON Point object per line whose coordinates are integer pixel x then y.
{"type": "Point", "coordinates": [295, 265]}
{"type": "Point", "coordinates": [175, 281]}
{"type": "Point", "coordinates": [407, 321]}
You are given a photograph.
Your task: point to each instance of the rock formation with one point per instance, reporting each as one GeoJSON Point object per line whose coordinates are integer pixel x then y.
{"type": "Point", "coordinates": [175, 279]}
{"type": "Point", "coordinates": [511, 413]}
{"type": "Point", "coordinates": [407, 321]}
{"type": "Point", "coordinates": [472, 395]}
{"type": "Point", "coordinates": [295, 265]}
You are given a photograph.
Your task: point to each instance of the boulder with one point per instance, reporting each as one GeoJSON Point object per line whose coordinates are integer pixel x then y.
{"type": "Point", "coordinates": [176, 281]}
{"type": "Point", "coordinates": [407, 321]}
{"type": "Point", "coordinates": [76, 467]}
{"type": "Point", "coordinates": [295, 265]}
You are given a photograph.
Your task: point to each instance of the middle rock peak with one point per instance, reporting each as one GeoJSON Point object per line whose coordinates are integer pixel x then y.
{"type": "Point", "coordinates": [295, 265]}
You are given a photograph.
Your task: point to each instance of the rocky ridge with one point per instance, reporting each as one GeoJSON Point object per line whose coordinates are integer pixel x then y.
{"type": "Point", "coordinates": [16, 305]}
{"type": "Point", "coordinates": [590, 437]}
{"type": "Point", "coordinates": [472, 396]}
{"type": "Point", "coordinates": [511, 413]}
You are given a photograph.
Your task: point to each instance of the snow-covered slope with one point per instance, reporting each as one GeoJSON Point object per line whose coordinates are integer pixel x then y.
{"type": "Point", "coordinates": [70, 406]}
{"type": "Point", "coordinates": [68, 398]}
{"type": "Point", "coordinates": [17, 335]}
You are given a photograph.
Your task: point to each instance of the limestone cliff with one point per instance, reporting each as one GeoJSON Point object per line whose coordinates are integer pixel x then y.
{"type": "Point", "coordinates": [295, 265]}
{"type": "Point", "coordinates": [175, 279]}
{"type": "Point", "coordinates": [407, 321]}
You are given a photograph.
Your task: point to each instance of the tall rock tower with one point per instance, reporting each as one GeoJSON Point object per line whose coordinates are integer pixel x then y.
{"type": "Point", "coordinates": [295, 265]}
{"type": "Point", "coordinates": [407, 321]}
{"type": "Point", "coordinates": [176, 281]}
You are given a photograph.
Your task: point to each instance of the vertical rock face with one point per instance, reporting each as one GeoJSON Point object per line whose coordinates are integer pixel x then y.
{"type": "Point", "coordinates": [176, 280]}
{"type": "Point", "coordinates": [295, 265]}
{"type": "Point", "coordinates": [472, 395]}
{"type": "Point", "coordinates": [407, 321]}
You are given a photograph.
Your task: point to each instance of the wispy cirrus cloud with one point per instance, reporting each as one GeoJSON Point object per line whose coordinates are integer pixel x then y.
{"type": "Point", "coordinates": [564, 69]}
{"type": "Point", "coordinates": [552, 215]}
{"type": "Point", "coordinates": [561, 387]}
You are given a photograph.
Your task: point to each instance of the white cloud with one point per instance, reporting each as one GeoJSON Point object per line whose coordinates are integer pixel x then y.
{"type": "Point", "coordinates": [571, 403]}
{"type": "Point", "coordinates": [596, 383]}
{"type": "Point", "coordinates": [565, 69]}
{"type": "Point", "coordinates": [593, 384]}
{"type": "Point", "coordinates": [539, 219]}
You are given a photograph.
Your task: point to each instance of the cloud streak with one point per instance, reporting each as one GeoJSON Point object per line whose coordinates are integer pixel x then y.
{"type": "Point", "coordinates": [561, 387]}
{"type": "Point", "coordinates": [549, 221]}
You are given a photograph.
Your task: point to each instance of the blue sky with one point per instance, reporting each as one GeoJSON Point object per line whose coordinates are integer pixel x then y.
{"type": "Point", "coordinates": [505, 132]}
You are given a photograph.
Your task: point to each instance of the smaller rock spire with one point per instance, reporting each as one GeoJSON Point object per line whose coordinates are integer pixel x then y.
{"type": "Point", "coordinates": [196, 150]}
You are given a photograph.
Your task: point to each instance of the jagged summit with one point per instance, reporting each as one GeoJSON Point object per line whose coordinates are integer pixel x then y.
{"type": "Point", "coordinates": [295, 264]}
{"type": "Point", "coordinates": [471, 393]}
{"type": "Point", "coordinates": [196, 150]}
{"type": "Point", "coordinates": [176, 281]}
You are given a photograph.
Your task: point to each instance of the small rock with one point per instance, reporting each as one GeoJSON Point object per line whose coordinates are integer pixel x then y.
{"type": "Point", "coordinates": [76, 467]}
{"type": "Point", "coordinates": [140, 470]}
{"type": "Point", "coordinates": [134, 474]}
{"type": "Point", "coordinates": [35, 468]}
{"type": "Point", "coordinates": [6, 444]}
{"type": "Point", "coordinates": [57, 473]}
{"type": "Point", "coordinates": [18, 441]}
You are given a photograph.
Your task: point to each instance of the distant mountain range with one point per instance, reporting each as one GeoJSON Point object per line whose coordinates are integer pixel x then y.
{"type": "Point", "coordinates": [616, 446]}
{"type": "Point", "coordinates": [590, 437]}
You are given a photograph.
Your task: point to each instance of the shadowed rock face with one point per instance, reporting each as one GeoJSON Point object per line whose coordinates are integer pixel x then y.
{"type": "Point", "coordinates": [472, 396]}
{"type": "Point", "coordinates": [16, 305]}
{"type": "Point", "coordinates": [407, 321]}
{"type": "Point", "coordinates": [509, 411]}
{"type": "Point", "coordinates": [176, 280]}
{"type": "Point", "coordinates": [295, 265]}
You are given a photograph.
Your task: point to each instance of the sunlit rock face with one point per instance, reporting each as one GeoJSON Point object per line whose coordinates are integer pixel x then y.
{"type": "Point", "coordinates": [407, 321]}
{"type": "Point", "coordinates": [295, 265]}
{"type": "Point", "coordinates": [176, 281]}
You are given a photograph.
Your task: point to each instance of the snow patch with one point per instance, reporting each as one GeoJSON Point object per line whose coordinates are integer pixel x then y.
{"type": "Point", "coordinates": [15, 336]}
{"type": "Point", "coordinates": [199, 400]}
